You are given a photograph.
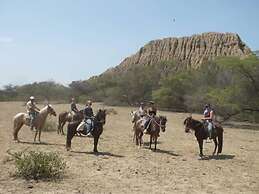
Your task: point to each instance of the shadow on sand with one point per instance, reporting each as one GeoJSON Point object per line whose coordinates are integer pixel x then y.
{"type": "Point", "coordinates": [40, 143]}
{"type": "Point", "coordinates": [219, 157]}
{"type": "Point", "coordinates": [171, 153]}
{"type": "Point", "coordinates": [99, 154]}
{"type": "Point", "coordinates": [147, 143]}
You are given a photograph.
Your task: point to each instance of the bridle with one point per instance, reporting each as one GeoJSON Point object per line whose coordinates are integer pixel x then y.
{"type": "Point", "coordinates": [160, 125]}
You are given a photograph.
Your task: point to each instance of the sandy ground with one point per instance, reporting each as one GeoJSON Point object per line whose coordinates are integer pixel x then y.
{"type": "Point", "coordinates": [123, 168]}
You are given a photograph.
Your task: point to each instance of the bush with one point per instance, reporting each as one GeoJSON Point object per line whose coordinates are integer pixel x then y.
{"type": "Point", "coordinates": [39, 165]}
{"type": "Point", "coordinates": [50, 125]}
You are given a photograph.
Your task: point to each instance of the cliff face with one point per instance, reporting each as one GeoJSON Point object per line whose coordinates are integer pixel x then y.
{"type": "Point", "coordinates": [189, 52]}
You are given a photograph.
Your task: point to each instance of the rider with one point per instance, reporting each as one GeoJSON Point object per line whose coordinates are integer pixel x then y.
{"type": "Point", "coordinates": [32, 110]}
{"type": "Point", "coordinates": [208, 118]}
{"type": "Point", "coordinates": [73, 107]}
{"type": "Point", "coordinates": [141, 110]}
{"type": "Point", "coordinates": [152, 110]}
{"type": "Point", "coordinates": [88, 116]}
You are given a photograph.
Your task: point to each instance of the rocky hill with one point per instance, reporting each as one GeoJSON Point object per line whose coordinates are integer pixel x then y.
{"type": "Point", "coordinates": [189, 52]}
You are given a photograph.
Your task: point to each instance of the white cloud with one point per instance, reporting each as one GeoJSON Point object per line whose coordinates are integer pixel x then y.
{"type": "Point", "coordinates": [6, 39]}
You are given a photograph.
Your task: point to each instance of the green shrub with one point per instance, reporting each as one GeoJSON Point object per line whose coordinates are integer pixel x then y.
{"type": "Point", "coordinates": [39, 165]}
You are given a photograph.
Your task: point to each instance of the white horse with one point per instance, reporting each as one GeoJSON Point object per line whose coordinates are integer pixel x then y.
{"type": "Point", "coordinates": [24, 119]}
{"type": "Point", "coordinates": [135, 116]}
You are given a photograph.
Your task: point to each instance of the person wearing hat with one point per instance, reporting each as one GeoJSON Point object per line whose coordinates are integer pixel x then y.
{"type": "Point", "coordinates": [141, 110]}
{"type": "Point", "coordinates": [152, 110]}
{"type": "Point", "coordinates": [88, 117]}
{"type": "Point", "coordinates": [32, 110]}
{"type": "Point", "coordinates": [73, 107]}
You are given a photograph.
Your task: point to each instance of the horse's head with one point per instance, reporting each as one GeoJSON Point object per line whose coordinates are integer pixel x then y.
{"type": "Point", "coordinates": [51, 110]}
{"type": "Point", "coordinates": [188, 124]}
{"type": "Point", "coordinates": [101, 116]}
{"type": "Point", "coordinates": [163, 121]}
{"type": "Point", "coordinates": [134, 116]}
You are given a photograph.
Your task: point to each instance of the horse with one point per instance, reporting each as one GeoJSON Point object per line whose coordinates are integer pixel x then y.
{"type": "Point", "coordinates": [134, 118]}
{"type": "Point", "coordinates": [155, 124]}
{"type": "Point", "coordinates": [66, 116]}
{"type": "Point", "coordinates": [21, 119]}
{"type": "Point", "coordinates": [202, 134]}
{"type": "Point", "coordinates": [99, 120]}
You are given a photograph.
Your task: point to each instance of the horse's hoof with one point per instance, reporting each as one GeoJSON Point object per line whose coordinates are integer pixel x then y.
{"type": "Point", "coordinates": [16, 141]}
{"type": "Point", "coordinates": [68, 149]}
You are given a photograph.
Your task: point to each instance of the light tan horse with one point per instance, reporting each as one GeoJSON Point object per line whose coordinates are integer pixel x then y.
{"type": "Point", "coordinates": [23, 119]}
{"type": "Point", "coordinates": [134, 118]}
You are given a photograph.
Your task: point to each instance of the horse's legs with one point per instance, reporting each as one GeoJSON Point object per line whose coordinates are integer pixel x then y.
{"type": "Point", "coordinates": [62, 128]}
{"type": "Point", "coordinates": [216, 145]}
{"type": "Point", "coordinates": [17, 127]}
{"type": "Point", "coordinates": [200, 141]}
{"type": "Point", "coordinates": [39, 134]}
{"type": "Point", "coordinates": [96, 138]}
{"type": "Point", "coordinates": [134, 136]}
{"type": "Point", "coordinates": [137, 136]}
{"type": "Point", "coordinates": [140, 140]}
{"type": "Point", "coordinates": [35, 135]}
{"type": "Point", "coordinates": [150, 141]}
{"type": "Point", "coordinates": [59, 125]}
{"type": "Point", "coordinates": [70, 135]}
{"type": "Point", "coordinates": [155, 142]}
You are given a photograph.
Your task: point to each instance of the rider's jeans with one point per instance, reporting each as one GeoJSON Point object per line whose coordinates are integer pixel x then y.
{"type": "Point", "coordinates": [210, 127]}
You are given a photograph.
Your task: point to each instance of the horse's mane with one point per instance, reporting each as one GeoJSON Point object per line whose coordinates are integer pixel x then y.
{"type": "Point", "coordinates": [194, 122]}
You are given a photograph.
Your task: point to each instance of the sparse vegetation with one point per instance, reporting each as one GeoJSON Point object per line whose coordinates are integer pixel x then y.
{"type": "Point", "coordinates": [230, 84]}
{"type": "Point", "coordinates": [39, 165]}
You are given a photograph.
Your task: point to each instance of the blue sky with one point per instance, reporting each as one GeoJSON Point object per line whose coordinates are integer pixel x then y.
{"type": "Point", "coordinates": [65, 40]}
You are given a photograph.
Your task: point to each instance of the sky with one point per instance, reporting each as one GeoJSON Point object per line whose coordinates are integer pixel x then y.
{"type": "Point", "coordinates": [67, 40]}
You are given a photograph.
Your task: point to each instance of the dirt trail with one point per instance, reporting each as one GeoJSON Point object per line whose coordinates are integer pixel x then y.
{"type": "Point", "coordinates": [123, 168]}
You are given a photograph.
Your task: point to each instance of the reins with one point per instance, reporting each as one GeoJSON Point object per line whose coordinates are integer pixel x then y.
{"type": "Point", "coordinates": [159, 124]}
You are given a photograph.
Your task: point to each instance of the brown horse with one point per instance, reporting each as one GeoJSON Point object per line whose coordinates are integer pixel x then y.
{"type": "Point", "coordinates": [66, 116]}
{"type": "Point", "coordinates": [24, 119]}
{"type": "Point", "coordinates": [99, 120]}
{"type": "Point", "coordinates": [202, 134]}
{"type": "Point", "coordinates": [155, 125]}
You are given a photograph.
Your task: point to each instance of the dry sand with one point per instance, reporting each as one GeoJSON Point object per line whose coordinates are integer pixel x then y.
{"type": "Point", "coordinates": [123, 168]}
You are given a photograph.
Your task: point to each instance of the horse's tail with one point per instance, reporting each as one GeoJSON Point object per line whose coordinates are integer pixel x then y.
{"type": "Point", "coordinates": [59, 122]}
{"type": "Point", "coordinates": [220, 139]}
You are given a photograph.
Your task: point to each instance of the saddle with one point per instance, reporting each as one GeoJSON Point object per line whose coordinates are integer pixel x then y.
{"type": "Point", "coordinates": [85, 127]}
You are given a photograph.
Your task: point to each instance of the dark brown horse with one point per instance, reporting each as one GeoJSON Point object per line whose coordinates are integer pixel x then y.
{"type": "Point", "coordinates": [202, 134]}
{"type": "Point", "coordinates": [155, 125]}
{"type": "Point", "coordinates": [99, 120]}
{"type": "Point", "coordinates": [66, 116]}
